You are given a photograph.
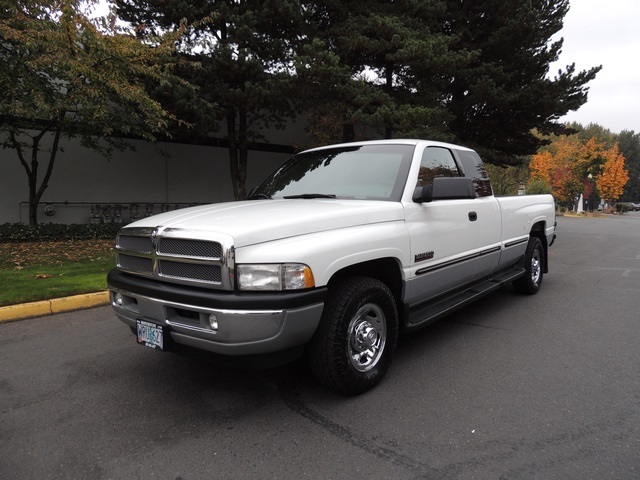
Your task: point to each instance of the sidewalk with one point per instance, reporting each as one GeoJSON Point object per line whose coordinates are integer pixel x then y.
{"type": "Point", "coordinates": [56, 305]}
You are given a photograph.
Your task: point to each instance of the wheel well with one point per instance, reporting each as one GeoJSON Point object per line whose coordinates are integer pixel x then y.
{"type": "Point", "coordinates": [538, 230]}
{"type": "Point", "coordinates": [387, 270]}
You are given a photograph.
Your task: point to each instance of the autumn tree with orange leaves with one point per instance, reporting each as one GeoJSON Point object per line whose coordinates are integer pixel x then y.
{"type": "Point", "coordinates": [614, 176]}
{"type": "Point", "coordinates": [570, 165]}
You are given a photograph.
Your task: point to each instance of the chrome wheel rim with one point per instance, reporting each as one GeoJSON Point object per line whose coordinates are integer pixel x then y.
{"type": "Point", "coordinates": [367, 337]}
{"type": "Point", "coordinates": [536, 266]}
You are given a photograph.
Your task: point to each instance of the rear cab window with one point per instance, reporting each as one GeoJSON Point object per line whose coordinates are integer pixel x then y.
{"type": "Point", "coordinates": [473, 167]}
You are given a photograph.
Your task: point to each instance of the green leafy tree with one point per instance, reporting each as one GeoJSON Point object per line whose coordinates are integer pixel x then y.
{"type": "Point", "coordinates": [507, 180]}
{"type": "Point", "coordinates": [62, 77]}
{"type": "Point", "coordinates": [538, 186]}
{"type": "Point", "coordinates": [243, 50]}
{"type": "Point", "coordinates": [601, 134]}
{"type": "Point", "coordinates": [629, 143]}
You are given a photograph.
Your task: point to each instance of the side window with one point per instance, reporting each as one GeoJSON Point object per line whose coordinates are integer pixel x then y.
{"type": "Point", "coordinates": [473, 167]}
{"type": "Point", "coordinates": [436, 162]}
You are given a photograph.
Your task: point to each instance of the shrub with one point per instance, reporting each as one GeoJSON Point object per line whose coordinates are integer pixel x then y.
{"type": "Point", "coordinates": [55, 232]}
{"type": "Point", "coordinates": [538, 186]}
{"type": "Point", "coordinates": [622, 208]}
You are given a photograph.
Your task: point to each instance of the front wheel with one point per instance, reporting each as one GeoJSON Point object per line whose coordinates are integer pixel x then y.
{"type": "Point", "coordinates": [534, 268]}
{"type": "Point", "coordinates": [351, 350]}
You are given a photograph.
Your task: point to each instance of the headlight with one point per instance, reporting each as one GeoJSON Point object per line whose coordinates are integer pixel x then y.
{"type": "Point", "coordinates": [283, 276]}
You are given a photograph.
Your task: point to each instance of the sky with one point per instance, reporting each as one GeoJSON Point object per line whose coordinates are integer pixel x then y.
{"type": "Point", "coordinates": [605, 33]}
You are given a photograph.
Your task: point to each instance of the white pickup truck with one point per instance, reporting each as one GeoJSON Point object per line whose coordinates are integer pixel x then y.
{"type": "Point", "coordinates": [338, 252]}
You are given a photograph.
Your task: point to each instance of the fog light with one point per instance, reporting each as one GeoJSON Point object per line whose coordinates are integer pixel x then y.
{"type": "Point", "coordinates": [118, 299]}
{"type": "Point", "coordinates": [213, 322]}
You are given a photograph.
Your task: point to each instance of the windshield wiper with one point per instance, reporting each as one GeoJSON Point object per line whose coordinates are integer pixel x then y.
{"type": "Point", "coordinates": [260, 196]}
{"type": "Point", "coordinates": [310, 196]}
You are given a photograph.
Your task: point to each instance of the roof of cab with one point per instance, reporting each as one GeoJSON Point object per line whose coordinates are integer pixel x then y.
{"type": "Point", "coordinates": [394, 141]}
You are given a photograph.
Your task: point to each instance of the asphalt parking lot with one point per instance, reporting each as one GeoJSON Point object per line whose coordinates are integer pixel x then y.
{"type": "Point", "coordinates": [511, 387]}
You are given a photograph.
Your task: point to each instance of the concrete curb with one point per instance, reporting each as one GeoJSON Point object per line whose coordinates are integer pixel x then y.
{"type": "Point", "coordinates": [56, 305]}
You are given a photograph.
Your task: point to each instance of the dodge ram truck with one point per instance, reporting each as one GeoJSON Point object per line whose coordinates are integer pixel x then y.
{"type": "Point", "coordinates": [338, 252]}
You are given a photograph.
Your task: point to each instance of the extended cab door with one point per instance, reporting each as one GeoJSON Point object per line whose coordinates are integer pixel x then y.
{"type": "Point", "coordinates": [450, 239]}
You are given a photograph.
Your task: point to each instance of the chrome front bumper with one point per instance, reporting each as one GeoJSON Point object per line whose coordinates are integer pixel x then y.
{"type": "Point", "coordinates": [234, 332]}
{"type": "Point", "coordinates": [246, 329]}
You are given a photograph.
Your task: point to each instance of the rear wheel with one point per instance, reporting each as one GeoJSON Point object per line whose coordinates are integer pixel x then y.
{"type": "Point", "coordinates": [534, 268]}
{"type": "Point", "coordinates": [351, 350]}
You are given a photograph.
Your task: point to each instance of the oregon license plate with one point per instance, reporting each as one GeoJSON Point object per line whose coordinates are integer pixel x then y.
{"type": "Point", "coordinates": [150, 334]}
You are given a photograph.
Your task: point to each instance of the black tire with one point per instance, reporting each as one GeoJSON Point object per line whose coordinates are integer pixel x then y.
{"type": "Point", "coordinates": [534, 260]}
{"type": "Point", "coordinates": [352, 348]}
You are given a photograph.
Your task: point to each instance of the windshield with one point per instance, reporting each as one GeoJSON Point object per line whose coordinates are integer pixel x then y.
{"type": "Point", "coordinates": [372, 172]}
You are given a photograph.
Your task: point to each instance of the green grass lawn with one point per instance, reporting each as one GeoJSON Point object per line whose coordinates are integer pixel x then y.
{"type": "Point", "coordinates": [42, 271]}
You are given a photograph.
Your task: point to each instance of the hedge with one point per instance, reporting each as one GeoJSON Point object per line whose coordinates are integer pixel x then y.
{"type": "Point", "coordinates": [55, 232]}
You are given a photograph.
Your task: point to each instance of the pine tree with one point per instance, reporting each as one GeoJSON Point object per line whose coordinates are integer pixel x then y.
{"type": "Point", "coordinates": [505, 92]}
{"type": "Point", "coordinates": [629, 143]}
{"type": "Point", "coordinates": [461, 70]}
{"type": "Point", "coordinates": [381, 48]}
{"type": "Point", "coordinates": [242, 56]}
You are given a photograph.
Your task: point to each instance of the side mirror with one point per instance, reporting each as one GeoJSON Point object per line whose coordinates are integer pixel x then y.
{"type": "Point", "coordinates": [446, 188]}
{"type": "Point", "coordinates": [423, 194]}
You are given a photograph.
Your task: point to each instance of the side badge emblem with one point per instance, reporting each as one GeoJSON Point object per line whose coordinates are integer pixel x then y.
{"type": "Point", "coordinates": [421, 257]}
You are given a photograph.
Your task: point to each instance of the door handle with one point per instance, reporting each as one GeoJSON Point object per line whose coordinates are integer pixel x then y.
{"type": "Point", "coordinates": [473, 216]}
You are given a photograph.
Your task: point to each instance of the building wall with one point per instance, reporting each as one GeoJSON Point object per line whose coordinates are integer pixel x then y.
{"type": "Point", "coordinates": [87, 187]}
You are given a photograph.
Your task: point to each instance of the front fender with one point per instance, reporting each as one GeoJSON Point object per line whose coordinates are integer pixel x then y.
{"type": "Point", "coordinates": [331, 251]}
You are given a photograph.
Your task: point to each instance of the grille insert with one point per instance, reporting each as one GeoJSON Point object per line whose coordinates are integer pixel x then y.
{"type": "Point", "coordinates": [190, 271]}
{"type": "Point", "coordinates": [136, 264]}
{"type": "Point", "coordinates": [135, 244]}
{"type": "Point", "coordinates": [189, 248]}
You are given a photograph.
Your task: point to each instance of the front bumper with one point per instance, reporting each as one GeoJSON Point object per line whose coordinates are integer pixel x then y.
{"type": "Point", "coordinates": [246, 323]}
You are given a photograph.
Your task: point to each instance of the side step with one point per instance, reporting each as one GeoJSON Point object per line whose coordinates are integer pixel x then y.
{"type": "Point", "coordinates": [431, 311]}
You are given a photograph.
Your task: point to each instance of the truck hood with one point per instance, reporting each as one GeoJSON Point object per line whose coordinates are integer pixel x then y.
{"type": "Point", "coordinates": [258, 221]}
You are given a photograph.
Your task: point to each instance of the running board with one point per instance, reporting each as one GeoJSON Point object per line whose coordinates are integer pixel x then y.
{"type": "Point", "coordinates": [432, 311]}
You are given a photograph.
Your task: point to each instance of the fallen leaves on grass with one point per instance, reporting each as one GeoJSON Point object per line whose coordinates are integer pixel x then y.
{"type": "Point", "coordinates": [28, 254]}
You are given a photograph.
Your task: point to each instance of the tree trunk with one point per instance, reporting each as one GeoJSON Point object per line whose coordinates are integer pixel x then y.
{"type": "Point", "coordinates": [388, 129]}
{"type": "Point", "coordinates": [243, 154]}
{"type": "Point", "coordinates": [31, 169]}
{"type": "Point", "coordinates": [37, 195]}
{"type": "Point", "coordinates": [32, 175]}
{"type": "Point", "coordinates": [238, 151]}
{"type": "Point", "coordinates": [233, 149]}
{"type": "Point", "coordinates": [348, 132]}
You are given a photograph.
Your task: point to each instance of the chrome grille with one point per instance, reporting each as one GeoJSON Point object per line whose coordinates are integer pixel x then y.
{"type": "Point", "coordinates": [177, 256]}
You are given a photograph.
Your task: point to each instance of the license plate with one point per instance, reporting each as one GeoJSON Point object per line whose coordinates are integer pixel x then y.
{"type": "Point", "coordinates": [150, 334]}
